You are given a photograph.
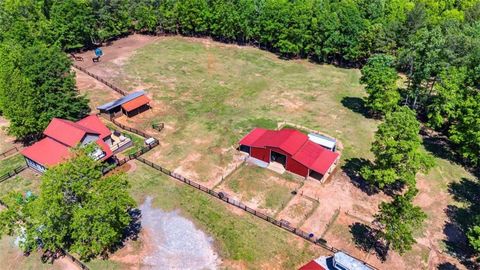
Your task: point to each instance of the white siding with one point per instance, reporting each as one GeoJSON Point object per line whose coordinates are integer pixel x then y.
{"type": "Point", "coordinates": [34, 165]}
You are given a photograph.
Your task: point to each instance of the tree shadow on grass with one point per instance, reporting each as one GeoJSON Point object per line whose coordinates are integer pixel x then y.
{"type": "Point", "coordinates": [357, 105]}
{"type": "Point", "coordinates": [467, 193]}
{"type": "Point", "coordinates": [440, 146]}
{"type": "Point", "coordinates": [447, 266]}
{"type": "Point", "coordinates": [366, 239]}
{"type": "Point", "coordinates": [352, 168]}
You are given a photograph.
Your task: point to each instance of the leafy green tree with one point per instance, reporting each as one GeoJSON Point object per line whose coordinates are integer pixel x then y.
{"type": "Point", "coordinates": [71, 23]}
{"type": "Point", "coordinates": [36, 84]}
{"type": "Point", "coordinates": [397, 150]}
{"type": "Point", "coordinates": [398, 219]}
{"type": "Point", "coordinates": [380, 78]}
{"type": "Point", "coordinates": [465, 131]}
{"type": "Point", "coordinates": [78, 209]}
{"type": "Point", "coordinates": [473, 234]}
{"type": "Point", "coordinates": [449, 94]}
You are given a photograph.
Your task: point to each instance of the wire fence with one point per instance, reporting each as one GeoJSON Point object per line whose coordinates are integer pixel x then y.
{"type": "Point", "coordinates": [16, 171]}
{"type": "Point", "coordinates": [222, 196]}
{"type": "Point", "coordinates": [107, 83]}
{"type": "Point", "coordinates": [9, 152]}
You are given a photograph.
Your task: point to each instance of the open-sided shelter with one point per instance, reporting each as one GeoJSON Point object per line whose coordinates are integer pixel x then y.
{"type": "Point", "coordinates": [130, 105]}
{"type": "Point", "coordinates": [292, 149]}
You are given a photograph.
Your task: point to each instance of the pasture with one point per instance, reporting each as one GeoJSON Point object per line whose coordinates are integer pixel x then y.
{"type": "Point", "coordinates": [209, 95]}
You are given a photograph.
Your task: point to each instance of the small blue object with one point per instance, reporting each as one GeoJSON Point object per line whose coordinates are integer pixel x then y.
{"type": "Point", "coordinates": [310, 235]}
{"type": "Point", "coordinates": [28, 194]}
{"type": "Point", "coordinates": [98, 52]}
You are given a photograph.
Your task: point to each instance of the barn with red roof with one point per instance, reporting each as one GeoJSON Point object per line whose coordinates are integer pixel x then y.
{"type": "Point", "coordinates": [291, 148]}
{"type": "Point", "coordinates": [61, 135]}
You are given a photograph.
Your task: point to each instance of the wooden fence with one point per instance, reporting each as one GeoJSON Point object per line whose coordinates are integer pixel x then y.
{"type": "Point", "coordinates": [222, 196]}
{"type": "Point", "coordinates": [13, 173]}
{"type": "Point", "coordinates": [76, 261]}
{"type": "Point", "coordinates": [9, 151]}
{"type": "Point", "coordinates": [133, 130]}
{"type": "Point", "coordinates": [113, 87]}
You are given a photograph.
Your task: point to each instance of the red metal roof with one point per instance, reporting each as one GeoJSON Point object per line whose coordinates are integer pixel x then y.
{"type": "Point", "coordinates": [67, 132]}
{"type": "Point", "coordinates": [92, 122]}
{"type": "Point", "coordinates": [296, 144]}
{"type": "Point", "coordinates": [105, 148]}
{"type": "Point", "coordinates": [312, 265]}
{"type": "Point", "coordinates": [315, 157]}
{"type": "Point", "coordinates": [289, 140]}
{"type": "Point", "coordinates": [47, 152]}
{"type": "Point", "coordinates": [135, 103]}
{"type": "Point", "coordinates": [63, 134]}
{"type": "Point", "coordinates": [253, 136]}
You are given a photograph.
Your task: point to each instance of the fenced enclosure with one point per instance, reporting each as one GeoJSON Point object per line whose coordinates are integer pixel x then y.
{"type": "Point", "coordinates": [222, 196]}
{"type": "Point", "coordinates": [113, 87]}
{"type": "Point", "coordinates": [13, 173]}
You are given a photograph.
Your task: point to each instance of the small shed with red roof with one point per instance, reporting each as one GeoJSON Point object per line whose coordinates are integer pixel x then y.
{"type": "Point", "coordinates": [61, 135]}
{"type": "Point", "coordinates": [292, 149]}
{"type": "Point", "coordinates": [130, 105]}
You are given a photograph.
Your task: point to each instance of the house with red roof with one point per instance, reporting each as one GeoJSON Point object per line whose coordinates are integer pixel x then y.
{"type": "Point", "coordinates": [338, 261]}
{"type": "Point", "coordinates": [292, 149]}
{"type": "Point", "coordinates": [61, 135]}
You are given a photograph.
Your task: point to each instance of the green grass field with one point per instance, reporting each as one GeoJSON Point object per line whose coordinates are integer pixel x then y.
{"type": "Point", "coordinates": [238, 235]}
{"type": "Point", "coordinates": [211, 96]}
{"type": "Point", "coordinates": [10, 163]}
{"type": "Point", "coordinates": [268, 189]}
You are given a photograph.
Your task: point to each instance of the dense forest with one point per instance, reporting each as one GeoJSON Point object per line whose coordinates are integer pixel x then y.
{"type": "Point", "coordinates": [434, 45]}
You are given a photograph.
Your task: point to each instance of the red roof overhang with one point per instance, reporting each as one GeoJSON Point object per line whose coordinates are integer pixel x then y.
{"type": "Point", "coordinates": [315, 157]}
{"type": "Point", "coordinates": [312, 265]}
{"type": "Point", "coordinates": [47, 152]}
{"type": "Point", "coordinates": [94, 123]}
{"type": "Point", "coordinates": [135, 103]}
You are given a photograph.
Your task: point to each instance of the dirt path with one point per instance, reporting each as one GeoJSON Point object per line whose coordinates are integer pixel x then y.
{"type": "Point", "coordinates": [116, 53]}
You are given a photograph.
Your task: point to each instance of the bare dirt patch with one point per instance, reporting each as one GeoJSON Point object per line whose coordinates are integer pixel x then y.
{"type": "Point", "coordinates": [7, 142]}
{"type": "Point", "coordinates": [97, 92]}
{"type": "Point", "coordinates": [297, 210]}
{"type": "Point", "coordinates": [116, 53]}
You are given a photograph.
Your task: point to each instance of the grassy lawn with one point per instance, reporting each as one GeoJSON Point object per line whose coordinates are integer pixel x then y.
{"type": "Point", "coordinates": [11, 257]}
{"type": "Point", "coordinates": [10, 163]}
{"type": "Point", "coordinates": [211, 96]}
{"type": "Point", "coordinates": [238, 235]}
{"type": "Point", "coordinates": [266, 188]}
{"type": "Point", "coordinates": [19, 183]}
